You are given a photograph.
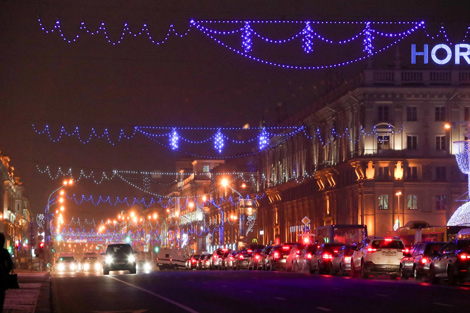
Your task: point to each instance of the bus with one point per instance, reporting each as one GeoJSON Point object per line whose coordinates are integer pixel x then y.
{"type": "Point", "coordinates": [347, 234]}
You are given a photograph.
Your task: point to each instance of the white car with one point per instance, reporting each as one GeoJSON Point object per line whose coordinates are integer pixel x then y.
{"type": "Point", "coordinates": [378, 255]}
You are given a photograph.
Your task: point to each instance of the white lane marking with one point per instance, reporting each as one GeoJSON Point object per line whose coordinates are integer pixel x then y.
{"type": "Point", "coordinates": [322, 309]}
{"type": "Point", "coordinates": [444, 304]}
{"type": "Point", "coordinates": [182, 306]}
{"type": "Point", "coordinates": [280, 298]}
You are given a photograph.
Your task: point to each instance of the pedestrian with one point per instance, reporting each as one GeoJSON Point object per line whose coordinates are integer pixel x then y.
{"type": "Point", "coordinates": [6, 265]}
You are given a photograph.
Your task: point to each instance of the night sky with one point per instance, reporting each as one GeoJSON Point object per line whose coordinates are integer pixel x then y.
{"type": "Point", "coordinates": [188, 81]}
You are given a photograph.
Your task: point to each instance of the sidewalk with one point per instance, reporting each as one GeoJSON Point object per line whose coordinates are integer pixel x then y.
{"type": "Point", "coordinates": [34, 294]}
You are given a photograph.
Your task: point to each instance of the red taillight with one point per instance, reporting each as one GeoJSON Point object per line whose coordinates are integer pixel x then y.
{"type": "Point", "coordinates": [406, 250]}
{"type": "Point", "coordinates": [257, 257]}
{"type": "Point", "coordinates": [327, 256]}
{"type": "Point", "coordinates": [241, 257]}
{"type": "Point", "coordinates": [388, 239]}
{"type": "Point", "coordinates": [464, 256]}
{"type": "Point", "coordinates": [249, 250]}
{"type": "Point", "coordinates": [215, 256]}
{"type": "Point", "coordinates": [225, 250]}
{"type": "Point", "coordinates": [335, 251]}
{"type": "Point", "coordinates": [347, 259]}
{"type": "Point", "coordinates": [371, 249]}
{"type": "Point", "coordinates": [276, 255]}
{"type": "Point", "coordinates": [298, 252]}
{"type": "Point", "coordinates": [425, 260]}
{"type": "Point", "coordinates": [193, 260]}
{"type": "Point", "coordinates": [309, 255]}
{"type": "Point", "coordinates": [285, 248]}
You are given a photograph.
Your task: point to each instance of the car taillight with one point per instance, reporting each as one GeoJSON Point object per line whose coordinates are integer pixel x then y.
{"type": "Point", "coordinates": [249, 250]}
{"type": "Point", "coordinates": [193, 260]}
{"type": "Point", "coordinates": [257, 257]}
{"type": "Point", "coordinates": [285, 248]}
{"type": "Point", "coordinates": [335, 251]}
{"type": "Point", "coordinates": [276, 255]}
{"type": "Point", "coordinates": [298, 252]}
{"type": "Point", "coordinates": [388, 239]}
{"type": "Point", "coordinates": [406, 250]}
{"type": "Point", "coordinates": [215, 257]}
{"type": "Point", "coordinates": [241, 257]}
{"type": "Point", "coordinates": [327, 256]}
{"type": "Point", "coordinates": [464, 256]}
{"type": "Point", "coordinates": [371, 250]}
{"type": "Point", "coordinates": [347, 259]}
{"type": "Point", "coordinates": [309, 255]}
{"type": "Point", "coordinates": [425, 260]}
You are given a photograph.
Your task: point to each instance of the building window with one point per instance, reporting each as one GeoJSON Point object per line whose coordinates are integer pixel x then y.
{"type": "Point", "coordinates": [440, 202]}
{"type": "Point", "coordinates": [441, 174]}
{"type": "Point", "coordinates": [466, 114]}
{"type": "Point", "coordinates": [383, 202]}
{"type": "Point", "coordinates": [440, 114]}
{"type": "Point", "coordinates": [384, 173]}
{"type": "Point", "coordinates": [411, 114]}
{"type": "Point", "coordinates": [383, 142]}
{"type": "Point", "coordinates": [205, 168]}
{"type": "Point", "coordinates": [441, 143]}
{"type": "Point", "coordinates": [411, 142]}
{"type": "Point", "coordinates": [382, 113]}
{"type": "Point", "coordinates": [412, 173]}
{"type": "Point", "coordinates": [412, 202]}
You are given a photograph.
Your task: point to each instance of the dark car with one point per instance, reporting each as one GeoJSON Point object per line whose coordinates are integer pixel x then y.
{"type": "Point", "coordinates": [276, 259]}
{"type": "Point", "coordinates": [416, 263]}
{"type": "Point", "coordinates": [255, 261]}
{"type": "Point", "coordinates": [321, 260]}
{"type": "Point", "coordinates": [452, 263]}
{"type": "Point", "coordinates": [341, 263]}
{"type": "Point", "coordinates": [241, 259]}
{"type": "Point", "coordinates": [119, 257]}
{"type": "Point", "coordinates": [264, 257]}
{"type": "Point", "coordinates": [192, 262]}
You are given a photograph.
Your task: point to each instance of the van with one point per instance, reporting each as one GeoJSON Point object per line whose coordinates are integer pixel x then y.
{"type": "Point", "coordinates": [170, 259]}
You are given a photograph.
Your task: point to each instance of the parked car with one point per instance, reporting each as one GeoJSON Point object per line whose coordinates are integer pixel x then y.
{"type": "Point", "coordinates": [341, 263]}
{"type": "Point", "coordinates": [119, 256]}
{"type": "Point", "coordinates": [321, 260]}
{"type": "Point", "coordinates": [255, 261]}
{"type": "Point", "coordinates": [452, 263]}
{"type": "Point", "coordinates": [416, 263]}
{"type": "Point", "coordinates": [205, 261]}
{"type": "Point", "coordinates": [191, 263]}
{"type": "Point", "coordinates": [293, 256]}
{"type": "Point", "coordinates": [218, 258]}
{"type": "Point", "coordinates": [378, 255]}
{"type": "Point", "coordinates": [170, 259]}
{"type": "Point", "coordinates": [302, 263]}
{"type": "Point", "coordinates": [241, 259]}
{"type": "Point", "coordinates": [230, 260]}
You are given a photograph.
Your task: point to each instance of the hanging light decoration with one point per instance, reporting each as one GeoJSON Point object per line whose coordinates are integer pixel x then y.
{"type": "Point", "coordinates": [307, 39]}
{"type": "Point", "coordinates": [263, 139]}
{"type": "Point", "coordinates": [174, 140]}
{"type": "Point", "coordinates": [219, 141]}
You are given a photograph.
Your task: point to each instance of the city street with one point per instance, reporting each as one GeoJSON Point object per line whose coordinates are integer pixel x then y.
{"type": "Point", "coordinates": [248, 291]}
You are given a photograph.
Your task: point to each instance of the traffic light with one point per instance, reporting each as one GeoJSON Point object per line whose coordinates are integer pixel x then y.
{"type": "Point", "coordinates": [156, 249]}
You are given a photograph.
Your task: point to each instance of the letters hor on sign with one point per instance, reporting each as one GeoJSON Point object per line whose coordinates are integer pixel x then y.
{"type": "Point", "coordinates": [442, 54]}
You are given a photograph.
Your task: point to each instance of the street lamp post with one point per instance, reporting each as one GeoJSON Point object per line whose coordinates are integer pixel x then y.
{"type": "Point", "coordinates": [48, 218]}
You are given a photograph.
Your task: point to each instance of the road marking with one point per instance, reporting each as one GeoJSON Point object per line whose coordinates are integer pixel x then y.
{"type": "Point", "coordinates": [280, 298]}
{"type": "Point", "coordinates": [322, 309]}
{"type": "Point", "coordinates": [182, 306]}
{"type": "Point", "coordinates": [444, 304]}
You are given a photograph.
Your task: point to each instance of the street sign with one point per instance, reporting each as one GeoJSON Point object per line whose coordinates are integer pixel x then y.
{"type": "Point", "coordinates": [305, 220]}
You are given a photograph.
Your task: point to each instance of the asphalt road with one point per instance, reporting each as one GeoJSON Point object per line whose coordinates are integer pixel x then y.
{"type": "Point", "coordinates": [249, 291]}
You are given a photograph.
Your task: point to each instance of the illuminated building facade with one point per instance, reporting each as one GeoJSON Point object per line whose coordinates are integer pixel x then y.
{"type": "Point", "coordinates": [376, 152]}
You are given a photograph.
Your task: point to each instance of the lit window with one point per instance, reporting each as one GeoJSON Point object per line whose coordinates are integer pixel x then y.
{"type": "Point", "coordinates": [383, 142]}
{"type": "Point", "coordinates": [205, 169]}
{"type": "Point", "coordinates": [383, 202]}
{"type": "Point", "coordinates": [412, 203]}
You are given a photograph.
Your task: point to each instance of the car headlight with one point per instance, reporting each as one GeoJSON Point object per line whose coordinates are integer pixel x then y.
{"type": "Point", "coordinates": [73, 266]}
{"type": "Point", "coordinates": [61, 266]}
{"type": "Point", "coordinates": [131, 258]}
{"type": "Point", "coordinates": [97, 266]}
{"type": "Point", "coordinates": [86, 266]}
{"type": "Point", "coordinates": [108, 259]}
{"type": "Point", "coordinates": [147, 266]}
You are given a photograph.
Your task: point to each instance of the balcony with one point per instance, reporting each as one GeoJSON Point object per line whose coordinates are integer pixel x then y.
{"type": "Point", "coordinates": [417, 77]}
